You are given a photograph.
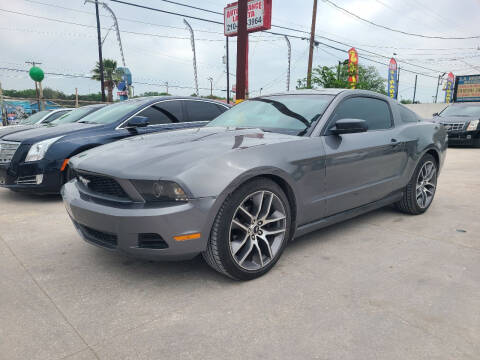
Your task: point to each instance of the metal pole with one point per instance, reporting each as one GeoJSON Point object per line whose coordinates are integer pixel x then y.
{"type": "Point", "coordinates": [228, 72]}
{"type": "Point", "coordinates": [312, 44]}
{"type": "Point", "coordinates": [398, 82]}
{"type": "Point", "coordinates": [415, 89]}
{"type": "Point", "coordinates": [2, 112]}
{"type": "Point", "coordinates": [100, 57]}
{"type": "Point", "coordinates": [242, 50]}
{"type": "Point", "coordinates": [289, 61]}
{"type": "Point", "coordinates": [42, 102]}
{"type": "Point", "coordinates": [38, 95]}
{"type": "Point", "coordinates": [192, 40]}
{"type": "Point", "coordinates": [76, 97]}
{"type": "Point", "coordinates": [211, 85]}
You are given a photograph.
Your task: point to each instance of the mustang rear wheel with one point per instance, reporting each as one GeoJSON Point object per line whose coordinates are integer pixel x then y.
{"type": "Point", "coordinates": [420, 191]}
{"type": "Point", "coordinates": [250, 231]}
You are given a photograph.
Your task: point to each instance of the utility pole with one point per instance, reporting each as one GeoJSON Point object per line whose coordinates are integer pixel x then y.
{"type": "Point", "coordinates": [100, 57]}
{"type": "Point", "coordinates": [289, 61]}
{"type": "Point", "coordinates": [415, 89]}
{"type": "Point", "coordinates": [312, 44]}
{"type": "Point", "coordinates": [76, 97]}
{"type": "Point", "coordinates": [38, 88]}
{"type": "Point", "coordinates": [228, 71]}
{"type": "Point", "coordinates": [242, 51]}
{"type": "Point", "coordinates": [438, 85]}
{"type": "Point", "coordinates": [192, 40]}
{"type": "Point", "coordinates": [2, 112]}
{"type": "Point", "coordinates": [211, 85]}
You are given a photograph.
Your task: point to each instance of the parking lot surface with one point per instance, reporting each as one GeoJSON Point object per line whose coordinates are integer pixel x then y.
{"type": "Point", "coordinates": [382, 286]}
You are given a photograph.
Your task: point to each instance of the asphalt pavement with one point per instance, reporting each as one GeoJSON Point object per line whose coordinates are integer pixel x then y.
{"type": "Point", "coordinates": [381, 286]}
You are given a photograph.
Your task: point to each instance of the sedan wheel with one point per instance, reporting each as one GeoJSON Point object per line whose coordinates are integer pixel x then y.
{"type": "Point", "coordinates": [250, 230]}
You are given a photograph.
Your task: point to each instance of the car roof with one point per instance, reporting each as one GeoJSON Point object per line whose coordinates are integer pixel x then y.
{"type": "Point", "coordinates": [328, 91]}
{"type": "Point", "coordinates": [153, 99]}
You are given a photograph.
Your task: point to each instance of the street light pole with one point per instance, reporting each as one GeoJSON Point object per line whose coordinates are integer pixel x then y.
{"type": "Point", "coordinates": [438, 85]}
{"type": "Point", "coordinates": [211, 85]}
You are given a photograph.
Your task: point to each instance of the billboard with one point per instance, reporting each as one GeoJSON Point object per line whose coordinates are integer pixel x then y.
{"type": "Point", "coordinates": [259, 17]}
{"type": "Point", "coordinates": [352, 68]}
{"type": "Point", "coordinates": [467, 88]}
{"type": "Point", "coordinates": [393, 79]}
{"type": "Point", "coordinates": [449, 88]}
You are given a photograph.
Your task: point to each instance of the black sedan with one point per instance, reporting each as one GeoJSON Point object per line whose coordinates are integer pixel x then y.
{"type": "Point", "coordinates": [461, 120]}
{"type": "Point", "coordinates": [37, 160]}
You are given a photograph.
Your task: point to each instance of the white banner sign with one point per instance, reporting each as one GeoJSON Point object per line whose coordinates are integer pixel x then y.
{"type": "Point", "coordinates": [255, 17]}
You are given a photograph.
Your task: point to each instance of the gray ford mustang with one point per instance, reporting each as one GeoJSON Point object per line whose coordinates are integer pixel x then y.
{"type": "Point", "coordinates": [270, 169]}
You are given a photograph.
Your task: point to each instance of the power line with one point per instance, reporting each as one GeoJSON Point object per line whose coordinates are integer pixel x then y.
{"type": "Point", "coordinates": [396, 30]}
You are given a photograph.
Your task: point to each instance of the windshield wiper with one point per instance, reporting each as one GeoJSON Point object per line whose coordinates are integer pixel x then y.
{"type": "Point", "coordinates": [285, 110]}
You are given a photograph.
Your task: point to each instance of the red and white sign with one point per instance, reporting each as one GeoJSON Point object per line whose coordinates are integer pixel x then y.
{"type": "Point", "coordinates": [259, 17]}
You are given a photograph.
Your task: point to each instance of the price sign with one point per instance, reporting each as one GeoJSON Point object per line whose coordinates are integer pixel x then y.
{"type": "Point", "coordinates": [259, 17]}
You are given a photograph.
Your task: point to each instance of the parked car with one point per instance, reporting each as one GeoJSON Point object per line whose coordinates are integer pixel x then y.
{"type": "Point", "coordinates": [44, 117]}
{"type": "Point", "coordinates": [461, 120]}
{"type": "Point", "coordinates": [37, 160]}
{"type": "Point", "coordinates": [64, 118]}
{"type": "Point", "coordinates": [271, 168]}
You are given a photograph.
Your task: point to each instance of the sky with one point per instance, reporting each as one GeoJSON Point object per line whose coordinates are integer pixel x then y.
{"type": "Point", "coordinates": [160, 50]}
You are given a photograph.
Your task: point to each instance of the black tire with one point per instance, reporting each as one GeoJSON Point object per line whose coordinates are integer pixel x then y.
{"type": "Point", "coordinates": [409, 204]}
{"type": "Point", "coordinates": [219, 254]}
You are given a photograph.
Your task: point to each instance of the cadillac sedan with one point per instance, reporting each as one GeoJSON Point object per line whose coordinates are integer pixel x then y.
{"type": "Point", "coordinates": [267, 170]}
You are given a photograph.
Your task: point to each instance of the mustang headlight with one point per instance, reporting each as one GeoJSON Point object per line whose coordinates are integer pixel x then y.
{"type": "Point", "coordinates": [473, 125]}
{"type": "Point", "coordinates": [38, 150]}
{"type": "Point", "coordinates": [167, 191]}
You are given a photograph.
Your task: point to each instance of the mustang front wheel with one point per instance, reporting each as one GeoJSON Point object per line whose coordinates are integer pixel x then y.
{"type": "Point", "coordinates": [250, 231]}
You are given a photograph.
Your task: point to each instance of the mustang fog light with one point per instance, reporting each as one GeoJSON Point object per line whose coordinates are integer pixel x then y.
{"type": "Point", "coordinates": [473, 125]}
{"type": "Point", "coordinates": [156, 191]}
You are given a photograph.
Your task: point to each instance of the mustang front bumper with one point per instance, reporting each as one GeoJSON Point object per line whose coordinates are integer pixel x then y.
{"type": "Point", "coordinates": [142, 232]}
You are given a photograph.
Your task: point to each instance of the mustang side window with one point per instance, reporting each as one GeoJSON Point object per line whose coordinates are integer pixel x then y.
{"type": "Point", "coordinates": [374, 111]}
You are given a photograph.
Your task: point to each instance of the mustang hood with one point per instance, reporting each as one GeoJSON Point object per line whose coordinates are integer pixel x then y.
{"type": "Point", "coordinates": [45, 132]}
{"type": "Point", "coordinates": [171, 153]}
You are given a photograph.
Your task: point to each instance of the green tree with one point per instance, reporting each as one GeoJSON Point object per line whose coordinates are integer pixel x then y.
{"type": "Point", "coordinates": [111, 75]}
{"type": "Point", "coordinates": [337, 77]}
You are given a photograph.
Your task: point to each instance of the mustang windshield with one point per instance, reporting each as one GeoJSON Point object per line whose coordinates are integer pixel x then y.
{"type": "Point", "coordinates": [292, 114]}
{"type": "Point", "coordinates": [461, 110]}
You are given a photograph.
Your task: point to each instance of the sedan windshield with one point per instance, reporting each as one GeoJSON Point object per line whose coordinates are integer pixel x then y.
{"type": "Point", "coordinates": [291, 114]}
{"type": "Point", "coordinates": [34, 118]}
{"type": "Point", "coordinates": [73, 116]}
{"type": "Point", "coordinates": [461, 110]}
{"type": "Point", "coordinates": [111, 113]}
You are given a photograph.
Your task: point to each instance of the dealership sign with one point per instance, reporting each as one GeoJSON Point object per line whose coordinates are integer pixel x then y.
{"type": "Point", "coordinates": [259, 17]}
{"type": "Point", "coordinates": [392, 78]}
{"type": "Point", "coordinates": [352, 68]}
{"type": "Point", "coordinates": [467, 88]}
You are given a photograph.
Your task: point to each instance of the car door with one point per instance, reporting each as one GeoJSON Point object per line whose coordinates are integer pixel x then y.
{"type": "Point", "coordinates": [361, 167]}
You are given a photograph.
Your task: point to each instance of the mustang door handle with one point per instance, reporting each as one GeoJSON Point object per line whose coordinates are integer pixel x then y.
{"type": "Point", "coordinates": [395, 143]}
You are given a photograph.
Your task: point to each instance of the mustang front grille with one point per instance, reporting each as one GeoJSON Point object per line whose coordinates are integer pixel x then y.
{"type": "Point", "coordinates": [101, 184]}
{"type": "Point", "coordinates": [7, 150]}
{"type": "Point", "coordinates": [453, 126]}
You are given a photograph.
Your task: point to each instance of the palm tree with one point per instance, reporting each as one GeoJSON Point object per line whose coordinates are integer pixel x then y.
{"type": "Point", "coordinates": [111, 75]}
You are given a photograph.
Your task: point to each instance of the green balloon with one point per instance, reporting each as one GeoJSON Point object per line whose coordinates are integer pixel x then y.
{"type": "Point", "coordinates": [36, 74]}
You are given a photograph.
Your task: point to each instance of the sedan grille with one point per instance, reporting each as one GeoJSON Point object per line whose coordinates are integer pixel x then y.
{"type": "Point", "coordinates": [101, 184]}
{"type": "Point", "coordinates": [453, 126]}
{"type": "Point", "coordinates": [7, 150]}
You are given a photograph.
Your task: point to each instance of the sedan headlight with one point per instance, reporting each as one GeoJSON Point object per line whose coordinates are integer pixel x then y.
{"type": "Point", "coordinates": [166, 191]}
{"type": "Point", "coordinates": [473, 125]}
{"type": "Point", "coordinates": [38, 150]}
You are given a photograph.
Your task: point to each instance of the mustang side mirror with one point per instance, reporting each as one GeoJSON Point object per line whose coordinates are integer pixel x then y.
{"type": "Point", "coordinates": [349, 126]}
{"type": "Point", "coordinates": [137, 121]}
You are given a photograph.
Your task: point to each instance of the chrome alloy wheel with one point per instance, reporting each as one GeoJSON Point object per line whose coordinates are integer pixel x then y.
{"type": "Point", "coordinates": [426, 184]}
{"type": "Point", "coordinates": [257, 230]}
